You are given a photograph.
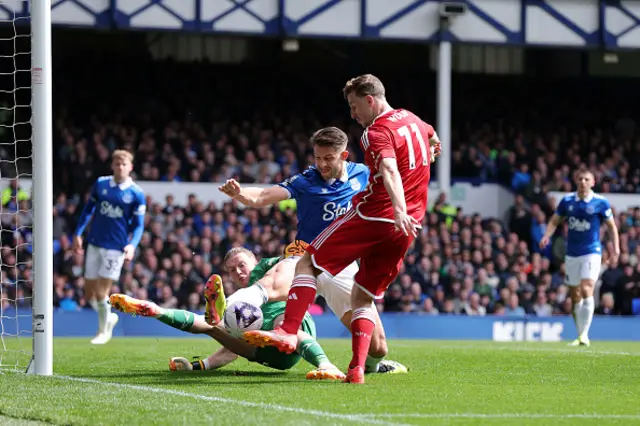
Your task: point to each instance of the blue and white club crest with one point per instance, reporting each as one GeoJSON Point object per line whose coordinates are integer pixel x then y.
{"type": "Point", "coordinates": [355, 184]}
{"type": "Point", "coordinates": [590, 210]}
{"type": "Point", "coordinates": [127, 198]}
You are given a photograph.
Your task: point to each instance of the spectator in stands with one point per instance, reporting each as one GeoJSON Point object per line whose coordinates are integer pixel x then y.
{"type": "Point", "coordinates": [513, 308]}
{"type": "Point", "coordinates": [607, 305]}
{"type": "Point", "coordinates": [541, 307]}
{"type": "Point", "coordinates": [459, 262]}
{"type": "Point", "coordinates": [473, 306]}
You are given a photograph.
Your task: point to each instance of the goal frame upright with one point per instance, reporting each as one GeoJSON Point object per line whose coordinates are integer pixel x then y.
{"type": "Point", "coordinates": [42, 188]}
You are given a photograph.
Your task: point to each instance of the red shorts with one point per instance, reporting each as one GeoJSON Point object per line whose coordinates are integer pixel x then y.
{"type": "Point", "coordinates": [380, 248]}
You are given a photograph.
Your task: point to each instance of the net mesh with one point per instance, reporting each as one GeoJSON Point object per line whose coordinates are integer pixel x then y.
{"type": "Point", "coordinates": [16, 219]}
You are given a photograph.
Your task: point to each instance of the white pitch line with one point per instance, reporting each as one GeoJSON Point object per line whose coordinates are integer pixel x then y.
{"type": "Point", "coordinates": [530, 349]}
{"type": "Point", "coordinates": [262, 405]}
{"type": "Point", "coordinates": [509, 416]}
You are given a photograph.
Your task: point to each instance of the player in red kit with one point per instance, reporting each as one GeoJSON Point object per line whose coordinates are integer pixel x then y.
{"type": "Point", "coordinates": [378, 230]}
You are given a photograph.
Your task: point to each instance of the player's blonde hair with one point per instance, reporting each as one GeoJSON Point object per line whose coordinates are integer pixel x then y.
{"type": "Point", "coordinates": [122, 154]}
{"type": "Point", "coordinates": [237, 250]}
{"type": "Point", "coordinates": [364, 85]}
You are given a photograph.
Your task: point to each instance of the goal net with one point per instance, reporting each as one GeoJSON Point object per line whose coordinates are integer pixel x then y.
{"type": "Point", "coordinates": [25, 321]}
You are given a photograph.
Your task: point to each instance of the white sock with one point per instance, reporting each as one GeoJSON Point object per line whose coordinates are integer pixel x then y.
{"type": "Point", "coordinates": [256, 295]}
{"type": "Point", "coordinates": [371, 364]}
{"type": "Point", "coordinates": [586, 314]}
{"type": "Point", "coordinates": [578, 318]}
{"type": "Point", "coordinates": [104, 309]}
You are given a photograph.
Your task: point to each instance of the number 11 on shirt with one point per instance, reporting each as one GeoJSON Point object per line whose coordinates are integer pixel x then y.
{"type": "Point", "coordinates": [406, 134]}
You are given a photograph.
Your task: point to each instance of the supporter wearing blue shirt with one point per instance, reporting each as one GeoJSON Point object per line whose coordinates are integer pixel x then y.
{"type": "Point", "coordinates": [117, 206]}
{"type": "Point", "coordinates": [584, 212]}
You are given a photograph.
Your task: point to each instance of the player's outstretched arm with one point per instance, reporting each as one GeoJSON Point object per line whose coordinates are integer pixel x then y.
{"type": "Point", "coordinates": [613, 232]}
{"type": "Point", "coordinates": [393, 183]}
{"type": "Point", "coordinates": [553, 224]}
{"type": "Point", "coordinates": [235, 345]}
{"type": "Point", "coordinates": [220, 358]}
{"type": "Point", "coordinates": [214, 361]}
{"type": "Point", "coordinates": [253, 196]}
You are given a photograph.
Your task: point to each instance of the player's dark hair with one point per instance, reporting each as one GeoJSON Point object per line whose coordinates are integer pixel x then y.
{"type": "Point", "coordinates": [330, 136]}
{"type": "Point", "coordinates": [585, 172]}
{"type": "Point", "coordinates": [364, 85]}
{"type": "Point", "coordinates": [237, 250]}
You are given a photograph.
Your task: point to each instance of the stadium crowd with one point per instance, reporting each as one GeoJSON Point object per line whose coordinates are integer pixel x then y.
{"type": "Point", "coordinates": [460, 263]}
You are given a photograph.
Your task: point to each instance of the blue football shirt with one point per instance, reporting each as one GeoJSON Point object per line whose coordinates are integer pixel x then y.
{"type": "Point", "coordinates": [117, 210]}
{"type": "Point", "coordinates": [319, 202]}
{"type": "Point", "coordinates": [584, 217]}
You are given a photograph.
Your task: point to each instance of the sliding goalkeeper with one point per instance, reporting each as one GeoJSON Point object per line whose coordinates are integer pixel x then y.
{"type": "Point", "coordinates": [247, 271]}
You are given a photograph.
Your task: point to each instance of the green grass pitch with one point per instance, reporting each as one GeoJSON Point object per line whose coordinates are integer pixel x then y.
{"type": "Point", "coordinates": [127, 382]}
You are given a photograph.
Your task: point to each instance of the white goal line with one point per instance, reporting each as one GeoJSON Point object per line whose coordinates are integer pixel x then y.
{"type": "Point", "coordinates": [370, 418]}
{"type": "Point", "coordinates": [594, 416]}
{"type": "Point", "coordinates": [263, 405]}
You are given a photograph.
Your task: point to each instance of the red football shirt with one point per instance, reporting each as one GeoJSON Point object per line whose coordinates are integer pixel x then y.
{"type": "Point", "coordinates": [398, 134]}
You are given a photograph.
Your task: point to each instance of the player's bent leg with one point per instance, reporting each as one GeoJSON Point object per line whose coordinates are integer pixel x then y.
{"type": "Point", "coordinates": [107, 320]}
{"type": "Point", "coordinates": [363, 322]}
{"type": "Point", "coordinates": [133, 306]}
{"type": "Point", "coordinates": [175, 318]}
{"type": "Point", "coordinates": [92, 264]}
{"type": "Point", "coordinates": [586, 311]}
{"type": "Point", "coordinates": [311, 351]}
{"type": "Point", "coordinates": [109, 265]}
{"type": "Point", "coordinates": [375, 362]}
{"type": "Point", "coordinates": [577, 302]}
{"type": "Point", "coordinates": [278, 338]}
{"type": "Point", "coordinates": [378, 350]}
{"type": "Point", "coordinates": [301, 295]}
{"type": "Point", "coordinates": [336, 291]}
{"type": "Point", "coordinates": [89, 292]}
{"type": "Point", "coordinates": [573, 278]}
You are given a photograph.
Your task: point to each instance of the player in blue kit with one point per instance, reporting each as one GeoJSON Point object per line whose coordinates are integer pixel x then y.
{"type": "Point", "coordinates": [322, 193]}
{"type": "Point", "coordinates": [117, 206]}
{"type": "Point", "coordinates": [584, 211]}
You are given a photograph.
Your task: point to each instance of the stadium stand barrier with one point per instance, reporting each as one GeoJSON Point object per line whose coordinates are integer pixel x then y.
{"type": "Point", "coordinates": [397, 326]}
{"type": "Point", "coordinates": [486, 199]}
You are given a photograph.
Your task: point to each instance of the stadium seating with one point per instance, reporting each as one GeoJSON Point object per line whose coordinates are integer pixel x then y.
{"type": "Point", "coordinates": [465, 265]}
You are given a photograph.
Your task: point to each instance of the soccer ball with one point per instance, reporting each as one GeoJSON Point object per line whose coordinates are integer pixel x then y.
{"type": "Point", "coordinates": [242, 316]}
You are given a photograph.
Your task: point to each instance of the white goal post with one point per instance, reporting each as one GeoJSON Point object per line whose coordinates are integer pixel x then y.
{"type": "Point", "coordinates": [42, 193]}
{"type": "Point", "coordinates": [26, 221]}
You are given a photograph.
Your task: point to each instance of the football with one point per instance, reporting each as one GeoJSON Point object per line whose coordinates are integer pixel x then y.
{"type": "Point", "coordinates": [242, 316]}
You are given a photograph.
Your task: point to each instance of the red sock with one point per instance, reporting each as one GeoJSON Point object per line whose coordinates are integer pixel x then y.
{"type": "Point", "coordinates": [362, 326]}
{"type": "Point", "coordinates": [301, 296]}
